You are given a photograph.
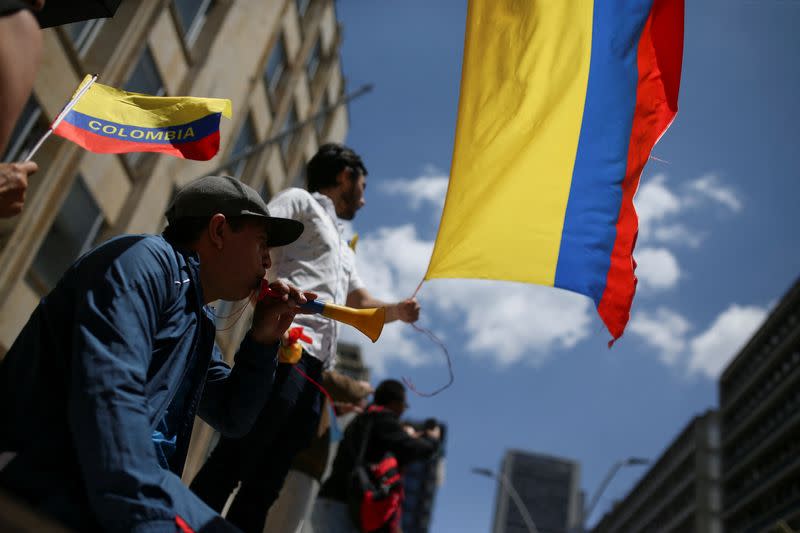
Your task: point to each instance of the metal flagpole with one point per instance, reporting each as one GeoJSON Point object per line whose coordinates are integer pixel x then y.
{"type": "Point", "coordinates": [60, 117]}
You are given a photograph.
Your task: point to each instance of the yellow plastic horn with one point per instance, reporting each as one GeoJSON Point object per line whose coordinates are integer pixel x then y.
{"type": "Point", "coordinates": [367, 321]}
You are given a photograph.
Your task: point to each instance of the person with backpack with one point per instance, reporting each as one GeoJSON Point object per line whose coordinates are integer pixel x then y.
{"type": "Point", "coordinates": [364, 491]}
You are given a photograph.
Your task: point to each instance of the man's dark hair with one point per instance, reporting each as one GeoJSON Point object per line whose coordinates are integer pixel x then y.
{"type": "Point", "coordinates": [328, 162]}
{"type": "Point", "coordinates": [389, 391]}
{"type": "Point", "coordinates": [185, 231]}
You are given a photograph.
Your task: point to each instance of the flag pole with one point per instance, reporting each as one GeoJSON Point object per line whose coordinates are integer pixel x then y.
{"type": "Point", "coordinates": [60, 117]}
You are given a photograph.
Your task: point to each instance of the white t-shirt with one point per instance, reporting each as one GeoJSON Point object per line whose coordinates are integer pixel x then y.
{"type": "Point", "coordinates": [319, 261]}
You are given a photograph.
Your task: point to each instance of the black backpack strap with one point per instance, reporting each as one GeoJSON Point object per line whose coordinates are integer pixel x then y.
{"type": "Point", "coordinates": [362, 450]}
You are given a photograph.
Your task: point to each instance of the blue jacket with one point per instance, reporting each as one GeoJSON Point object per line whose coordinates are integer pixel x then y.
{"type": "Point", "coordinates": [98, 393]}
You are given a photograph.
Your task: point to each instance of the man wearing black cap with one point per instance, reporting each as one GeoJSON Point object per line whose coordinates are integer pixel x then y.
{"type": "Point", "coordinates": [99, 391]}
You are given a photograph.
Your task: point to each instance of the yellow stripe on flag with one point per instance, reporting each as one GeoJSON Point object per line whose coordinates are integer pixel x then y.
{"type": "Point", "coordinates": [108, 103]}
{"type": "Point", "coordinates": [523, 86]}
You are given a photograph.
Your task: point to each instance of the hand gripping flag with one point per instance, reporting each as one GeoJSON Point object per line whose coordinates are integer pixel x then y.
{"type": "Point", "coordinates": [111, 121]}
{"type": "Point", "coordinates": [561, 103]}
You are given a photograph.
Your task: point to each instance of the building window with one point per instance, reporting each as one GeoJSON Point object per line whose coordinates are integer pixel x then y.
{"type": "Point", "coordinates": [322, 116]}
{"type": "Point", "coordinates": [192, 16]}
{"type": "Point", "coordinates": [30, 127]}
{"type": "Point", "coordinates": [302, 7]}
{"type": "Point", "coordinates": [72, 234]}
{"type": "Point", "coordinates": [312, 65]}
{"type": "Point", "coordinates": [144, 79]}
{"type": "Point", "coordinates": [276, 67]}
{"type": "Point", "coordinates": [82, 34]}
{"type": "Point", "coordinates": [245, 140]}
{"type": "Point", "coordinates": [265, 193]}
{"type": "Point", "coordinates": [288, 140]}
{"type": "Point", "coordinates": [299, 179]}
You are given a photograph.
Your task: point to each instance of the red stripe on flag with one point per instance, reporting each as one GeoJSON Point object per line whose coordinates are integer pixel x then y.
{"type": "Point", "coordinates": [200, 150]}
{"type": "Point", "coordinates": [660, 54]}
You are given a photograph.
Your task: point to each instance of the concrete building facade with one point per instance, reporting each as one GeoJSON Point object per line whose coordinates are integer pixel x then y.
{"type": "Point", "coordinates": [680, 493]}
{"type": "Point", "coordinates": [350, 362]}
{"type": "Point", "coordinates": [759, 396]}
{"type": "Point", "coordinates": [548, 486]}
{"type": "Point", "coordinates": [277, 60]}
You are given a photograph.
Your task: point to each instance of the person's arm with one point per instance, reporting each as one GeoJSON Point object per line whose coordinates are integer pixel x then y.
{"type": "Point", "coordinates": [405, 447]}
{"type": "Point", "coordinates": [232, 399]}
{"type": "Point", "coordinates": [20, 53]}
{"type": "Point", "coordinates": [406, 310]}
{"type": "Point", "coordinates": [343, 388]}
{"type": "Point", "coordinates": [108, 411]}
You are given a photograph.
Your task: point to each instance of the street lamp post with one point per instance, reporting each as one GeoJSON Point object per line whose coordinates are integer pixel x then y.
{"type": "Point", "coordinates": [630, 461]}
{"type": "Point", "coordinates": [509, 488]}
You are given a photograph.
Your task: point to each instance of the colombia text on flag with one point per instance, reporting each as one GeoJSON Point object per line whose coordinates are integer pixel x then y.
{"type": "Point", "coordinates": [561, 102]}
{"type": "Point", "coordinates": [108, 120]}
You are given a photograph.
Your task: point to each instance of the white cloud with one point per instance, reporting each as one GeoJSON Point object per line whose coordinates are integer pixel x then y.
{"type": "Point", "coordinates": [711, 351]}
{"type": "Point", "coordinates": [392, 261]}
{"type": "Point", "coordinates": [505, 322]}
{"type": "Point", "coordinates": [659, 207]}
{"type": "Point", "coordinates": [511, 322]}
{"type": "Point", "coordinates": [678, 234]}
{"type": "Point", "coordinates": [708, 352]}
{"type": "Point", "coordinates": [657, 268]}
{"type": "Point", "coordinates": [665, 330]}
{"type": "Point", "coordinates": [655, 202]}
{"type": "Point", "coordinates": [710, 186]}
{"type": "Point", "coordinates": [429, 188]}
{"type": "Point", "coordinates": [395, 344]}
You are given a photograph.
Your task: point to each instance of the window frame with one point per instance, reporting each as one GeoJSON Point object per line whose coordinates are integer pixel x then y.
{"type": "Point", "coordinates": [36, 278]}
{"type": "Point", "coordinates": [32, 116]}
{"type": "Point", "coordinates": [240, 168]}
{"type": "Point", "coordinates": [190, 34]}
{"type": "Point", "coordinates": [301, 13]}
{"type": "Point", "coordinates": [287, 142]}
{"type": "Point", "coordinates": [314, 58]}
{"type": "Point", "coordinates": [135, 159]}
{"type": "Point", "coordinates": [85, 37]}
{"type": "Point", "coordinates": [273, 84]}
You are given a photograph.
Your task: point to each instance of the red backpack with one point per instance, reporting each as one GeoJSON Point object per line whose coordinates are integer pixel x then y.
{"type": "Point", "coordinates": [376, 490]}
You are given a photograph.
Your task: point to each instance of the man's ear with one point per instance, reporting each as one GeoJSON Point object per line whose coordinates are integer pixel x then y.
{"type": "Point", "coordinates": [343, 176]}
{"type": "Point", "coordinates": [216, 230]}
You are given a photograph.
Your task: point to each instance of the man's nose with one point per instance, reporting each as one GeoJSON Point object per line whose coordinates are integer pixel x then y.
{"type": "Point", "coordinates": [266, 260]}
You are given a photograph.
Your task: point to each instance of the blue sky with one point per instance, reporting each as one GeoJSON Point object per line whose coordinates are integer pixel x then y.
{"type": "Point", "coordinates": [717, 248]}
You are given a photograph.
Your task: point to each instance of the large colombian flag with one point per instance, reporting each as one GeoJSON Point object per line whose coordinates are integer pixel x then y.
{"type": "Point", "coordinates": [111, 121]}
{"type": "Point", "coordinates": [561, 103]}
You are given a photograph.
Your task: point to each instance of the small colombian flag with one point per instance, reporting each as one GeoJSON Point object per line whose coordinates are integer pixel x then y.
{"type": "Point", "coordinates": [111, 121]}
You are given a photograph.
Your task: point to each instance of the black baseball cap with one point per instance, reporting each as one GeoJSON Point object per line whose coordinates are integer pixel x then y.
{"type": "Point", "coordinates": [209, 195]}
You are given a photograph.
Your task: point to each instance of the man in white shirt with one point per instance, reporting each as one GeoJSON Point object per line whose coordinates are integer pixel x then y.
{"type": "Point", "coordinates": [321, 262]}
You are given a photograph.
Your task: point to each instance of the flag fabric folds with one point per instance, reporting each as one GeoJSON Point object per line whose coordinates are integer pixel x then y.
{"type": "Point", "coordinates": [108, 120]}
{"type": "Point", "coordinates": [561, 103]}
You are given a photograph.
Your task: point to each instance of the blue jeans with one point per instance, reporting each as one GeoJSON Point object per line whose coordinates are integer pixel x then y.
{"type": "Point", "coordinates": [261, 460]}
